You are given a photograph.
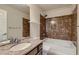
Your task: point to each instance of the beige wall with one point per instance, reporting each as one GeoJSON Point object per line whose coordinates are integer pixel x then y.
{"type": "Point", "coordinates": [14, 18]}
{"type": "Point", "coordinates": [35, 21]}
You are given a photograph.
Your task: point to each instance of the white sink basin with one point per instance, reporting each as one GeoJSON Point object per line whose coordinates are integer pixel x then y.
{"type": "Point", "coordinates": [21, 46]}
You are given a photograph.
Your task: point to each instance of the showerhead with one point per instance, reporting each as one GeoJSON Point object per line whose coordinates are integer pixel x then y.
{"type": "Point", "coordinates": [45, 16]}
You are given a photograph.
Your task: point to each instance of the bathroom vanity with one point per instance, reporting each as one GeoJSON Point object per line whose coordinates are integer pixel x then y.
{"type": "Point", "coordinates": [34, 49]}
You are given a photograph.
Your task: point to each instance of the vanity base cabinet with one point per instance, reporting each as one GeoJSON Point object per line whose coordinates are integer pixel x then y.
{"type": "Point", "coordinates": [36, 51]}
{"type": "Point", "coordinates": [40, 52]}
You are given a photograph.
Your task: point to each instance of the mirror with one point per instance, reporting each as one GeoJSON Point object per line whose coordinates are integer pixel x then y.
{"type": "Point", "coordinates": [3, 25]}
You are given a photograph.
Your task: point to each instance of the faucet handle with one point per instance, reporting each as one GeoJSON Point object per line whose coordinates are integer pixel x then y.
{"type": "Point", "coordinates": [11, 40]}
{"type": "Point", "coordinates": [16, 40]}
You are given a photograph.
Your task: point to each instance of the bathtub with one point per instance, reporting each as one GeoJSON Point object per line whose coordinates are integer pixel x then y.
{"type": "Point", "coordinates": [58, 47]}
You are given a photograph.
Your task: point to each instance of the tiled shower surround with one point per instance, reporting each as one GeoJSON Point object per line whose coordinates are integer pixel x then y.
{"type": "Point", "coordinates": [63, 27]}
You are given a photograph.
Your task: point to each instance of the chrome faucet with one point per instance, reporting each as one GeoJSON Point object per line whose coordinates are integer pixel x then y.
{"type": "Point", "coordinates": [14, 41]}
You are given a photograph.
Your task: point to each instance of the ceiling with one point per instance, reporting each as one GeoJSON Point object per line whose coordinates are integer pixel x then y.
{"type": "Point", "coordinates": [46, 7]}
{"type": "Point", "coordinates": [24, 7]}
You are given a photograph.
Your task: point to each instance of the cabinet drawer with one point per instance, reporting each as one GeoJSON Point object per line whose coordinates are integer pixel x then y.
{"type": "Point", "coordinates": [33, 52]}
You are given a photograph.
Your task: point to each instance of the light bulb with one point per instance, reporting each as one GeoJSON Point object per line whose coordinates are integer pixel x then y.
{"type": "Point", "coordinates": [53, 22]}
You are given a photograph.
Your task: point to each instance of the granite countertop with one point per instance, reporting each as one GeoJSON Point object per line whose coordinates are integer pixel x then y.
{"type": "Point", "coordinates": [5, 50]}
